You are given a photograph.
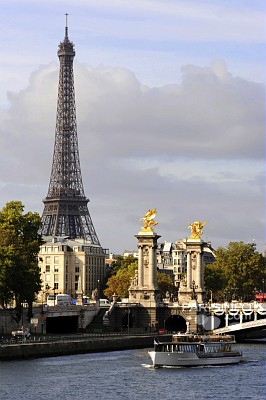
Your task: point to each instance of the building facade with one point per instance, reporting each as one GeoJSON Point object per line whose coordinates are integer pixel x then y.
{"type": "Point", "coordinates": [72, 267]}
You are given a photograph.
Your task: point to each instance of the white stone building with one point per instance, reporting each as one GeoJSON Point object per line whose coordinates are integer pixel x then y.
{"type": "Point", "coordinates": [73, 267]}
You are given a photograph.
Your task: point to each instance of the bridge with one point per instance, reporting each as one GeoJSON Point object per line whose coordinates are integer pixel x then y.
{"type": "Point", "coordinates": [237, 317]}
{"type": "Point", "coordinates": [243, 327]}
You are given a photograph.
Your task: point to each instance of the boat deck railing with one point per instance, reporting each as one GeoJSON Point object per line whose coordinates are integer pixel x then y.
{"type": "Point", "coordinates": [193, 347]}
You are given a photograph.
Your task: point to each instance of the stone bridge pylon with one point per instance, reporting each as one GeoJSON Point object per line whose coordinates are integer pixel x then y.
{"type": "Point", "coordinates": [143, 288]}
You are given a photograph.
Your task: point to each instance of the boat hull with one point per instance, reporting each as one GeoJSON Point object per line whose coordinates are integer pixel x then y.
{"type": "Point", "coordinates": [164, 359]}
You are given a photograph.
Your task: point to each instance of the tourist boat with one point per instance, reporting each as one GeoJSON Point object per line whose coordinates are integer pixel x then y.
{"type": "Point", "coordinates": [190, 350]}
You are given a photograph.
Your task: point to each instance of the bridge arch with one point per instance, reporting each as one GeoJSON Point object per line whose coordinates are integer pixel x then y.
{"type": "Point", "coordinates": [127, 320]}
{"type": "Point", "coordinates": [176, 323]}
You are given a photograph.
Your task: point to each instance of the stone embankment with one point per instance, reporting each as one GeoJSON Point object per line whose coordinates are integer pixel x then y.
{"type": "Point", "coordinates": [72, 346]}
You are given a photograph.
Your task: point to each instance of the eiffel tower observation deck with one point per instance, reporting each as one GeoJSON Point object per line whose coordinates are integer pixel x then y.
{"type": "Point", "coordinates": [66, 212]}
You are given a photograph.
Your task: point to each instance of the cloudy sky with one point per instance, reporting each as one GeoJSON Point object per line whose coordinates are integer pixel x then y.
{"type": "Point", "coordinates": [170, 101]}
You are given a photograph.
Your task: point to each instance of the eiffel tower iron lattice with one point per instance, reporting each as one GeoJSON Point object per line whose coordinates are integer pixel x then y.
{"type": "Point", "coordinates": [65, 207]}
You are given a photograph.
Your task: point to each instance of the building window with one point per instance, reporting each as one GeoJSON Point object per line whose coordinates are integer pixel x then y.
{"type": "Point", "coordinates": [56, 260]}
{"type": "Point", "coordinates": [76, 278]}
{"type": "Point", "coordinates": [56, 286]}
{"type": "Point", "coordinates": [77, 269]}
{"type": "Point", "coordinates": [48, 260]}
{"type": "Point", "coordinates": [56, 268]}
{"type": "Point", "coordinates": [47, 268]}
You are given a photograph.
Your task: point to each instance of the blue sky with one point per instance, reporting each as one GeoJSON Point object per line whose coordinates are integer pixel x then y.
{"type": "Point", "coordinates": [170, 108]}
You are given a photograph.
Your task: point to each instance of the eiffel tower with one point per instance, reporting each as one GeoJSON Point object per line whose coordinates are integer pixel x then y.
{"type": "Point", "coordinates": [65, 207]}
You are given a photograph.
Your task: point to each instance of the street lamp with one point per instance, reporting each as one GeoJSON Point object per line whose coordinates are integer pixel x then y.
{"type": "Point", "coordinates": [263, 289]}
{"type": "Point", "coordinates": [99, 288]}
{"type": "Point", "coordinates": [255, 291]}
{"type": "Point", "coordinates": [226, 294]}
{"type": "Point", "coordinates": [234, 288]}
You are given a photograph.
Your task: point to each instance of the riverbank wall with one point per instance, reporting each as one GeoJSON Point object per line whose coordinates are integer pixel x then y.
{"type": "Point", "coordinates": [73, 346]}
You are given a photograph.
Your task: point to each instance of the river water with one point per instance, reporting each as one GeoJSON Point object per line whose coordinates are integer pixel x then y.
{"type": "Point", "coordinates": [127, 375]}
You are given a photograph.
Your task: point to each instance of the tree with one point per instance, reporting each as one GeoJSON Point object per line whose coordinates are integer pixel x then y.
{"type": "Point", "coordinates": [119, 282]}
{"type": "Point", "coordinates": [122, 262]}
{"type": "Point", "coordinates": [19, 246]}
{"type": "Point", "coordinates": [239, 270]}
{"type": "Point", "coordinates": [215, 281]}
{"type": "Point", "coordinates": [165, 284]}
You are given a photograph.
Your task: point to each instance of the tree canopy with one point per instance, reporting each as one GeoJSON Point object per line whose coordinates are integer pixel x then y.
{"type": "Point", "coordinates": [236, 273]}
{"type": "Point", "coordinates": [19, 246]}
{"type": "Point", "coordinates": [120, 281]}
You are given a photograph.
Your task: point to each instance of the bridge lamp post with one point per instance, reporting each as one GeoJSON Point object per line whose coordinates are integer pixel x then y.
{"type": "Point", "coordinates": [234, 289]}
{"type": "Point", "coordinates": [226, 294]}
{"type": "Point", "coordinates": [211, 291]}
{"type": "Point", "coordinates": [255, 292]}
{"type": "Point", "coordinates": [98, 285]}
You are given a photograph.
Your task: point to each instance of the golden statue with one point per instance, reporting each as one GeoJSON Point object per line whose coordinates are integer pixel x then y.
{"type": "Point", "coordinates": [149, 220]}
{"type": "Point", "coordinates": [196, 229]}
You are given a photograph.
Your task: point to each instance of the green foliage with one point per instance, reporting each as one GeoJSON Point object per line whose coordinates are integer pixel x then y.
{"type": "Point", "coordinates": [122, 263]}
{"type": "Point", "coordinates": [19, 247]}
{"type": "Point", "coordinates": [165, 284]}
{"type": "Point", "coordinates": [215, 281]}
{"type": "Point", "coordinates": [238, 270]}
{"type": "Point", "coordinates": [120, 281]}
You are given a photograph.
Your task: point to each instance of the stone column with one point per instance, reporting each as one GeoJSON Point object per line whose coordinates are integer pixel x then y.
{"type": "Point", "coordinates": [188, 270]}
{"type": "Point", "coordinates": [140, 267]}
{"type": "Point", "coordinates": [151, 267]}
{"type": "Point", "coordinates": [198, 282]}
{"type": "Point", "coordinates": [202, 270]}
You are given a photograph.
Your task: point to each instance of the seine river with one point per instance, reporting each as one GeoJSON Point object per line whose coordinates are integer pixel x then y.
{"type": "Point", "coordinates": [127, 375]}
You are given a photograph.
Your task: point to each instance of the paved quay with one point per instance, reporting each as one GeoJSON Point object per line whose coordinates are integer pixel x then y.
{"type": "Point", "coordinates": [73, 345]}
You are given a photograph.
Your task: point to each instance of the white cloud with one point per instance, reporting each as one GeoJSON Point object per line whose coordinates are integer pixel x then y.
{"type": "Point", "coordinates": [194, 150]}
{"type": "Point", "coordinates": [153, 38]}
{"type": "Point", "coordinates": [210, 114]}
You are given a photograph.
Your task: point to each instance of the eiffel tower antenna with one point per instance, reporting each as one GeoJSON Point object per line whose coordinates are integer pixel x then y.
{"type": "Point", "coordinates": [65, 207]}
{"type": "Point", "coordinates": [66, 28]}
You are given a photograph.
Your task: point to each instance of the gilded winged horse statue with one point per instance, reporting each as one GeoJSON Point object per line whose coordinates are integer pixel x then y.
{"type": "Point", "coordinates": [149, 220]}
{"type": "Point", "coordinates": [196, 229]}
